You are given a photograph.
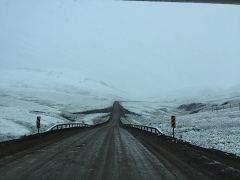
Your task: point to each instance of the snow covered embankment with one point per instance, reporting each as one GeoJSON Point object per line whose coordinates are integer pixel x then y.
{"type": "Point", "coordinates": [27, 93]}
{"type": "Point", "coordinates": [217, 130]}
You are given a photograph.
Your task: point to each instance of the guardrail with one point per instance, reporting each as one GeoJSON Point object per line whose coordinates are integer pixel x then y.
{"type": "Point", "coordinates": [68, 126]}
{"type": "Point", "coordinates": [149, 129]}
{"type": "Point", "coordinates": [224, 106]}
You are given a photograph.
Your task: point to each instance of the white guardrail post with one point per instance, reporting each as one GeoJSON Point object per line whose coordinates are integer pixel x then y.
{"type": "Point", "coordinates": [67, 126]}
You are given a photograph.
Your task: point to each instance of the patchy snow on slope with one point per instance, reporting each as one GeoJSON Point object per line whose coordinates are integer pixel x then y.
{"type": "Point", "coordinates": [91, 119]}
{"type": "Point", "coordinates": [18, 116]}
{"type": "Point", "coordinates": [18, 112]}
{"type": "Point", "coordinates": [219, 129]}
{"type": "Point", "coordinates": [27, 93]}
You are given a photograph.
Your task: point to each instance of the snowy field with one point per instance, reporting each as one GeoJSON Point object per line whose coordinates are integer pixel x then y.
{"type": "Point", "coordinates": [218, 129]}
{"type": "Point", "coordinates": [27, 93]}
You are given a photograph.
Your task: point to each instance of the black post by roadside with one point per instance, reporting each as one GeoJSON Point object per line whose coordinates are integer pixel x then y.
{"type": "Point", "coordinates": [38, 123]}
{"type": "Point", "coordinates": [173, 124]}
{"type": "Point", "coordinates": [173, 133]}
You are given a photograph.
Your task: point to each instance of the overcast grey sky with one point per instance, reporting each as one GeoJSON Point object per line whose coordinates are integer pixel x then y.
{"type": "Point", "coordinates": [142, 48]}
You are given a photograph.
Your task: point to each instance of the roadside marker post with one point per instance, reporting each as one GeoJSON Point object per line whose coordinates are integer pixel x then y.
{"type": "Point", "coordinates": [173, 124]}
{"type": "Point", "coordinates": [38, 123]}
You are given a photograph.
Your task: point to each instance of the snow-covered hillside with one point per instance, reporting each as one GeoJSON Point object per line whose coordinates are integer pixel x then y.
{"type": "Point", "coordinates": [218, 129]}
{"type": "Point", "coordinates": [26, 93]}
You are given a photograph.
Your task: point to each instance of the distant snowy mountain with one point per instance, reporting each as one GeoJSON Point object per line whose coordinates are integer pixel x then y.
{"type": "Point", "coordinates": [68, 82]}
{"type": "Point", "coordinates": [188, 95]}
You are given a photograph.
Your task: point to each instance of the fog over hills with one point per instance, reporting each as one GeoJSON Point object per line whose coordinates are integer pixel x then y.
{"type": "Point", "coordinates": [140, 49]}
